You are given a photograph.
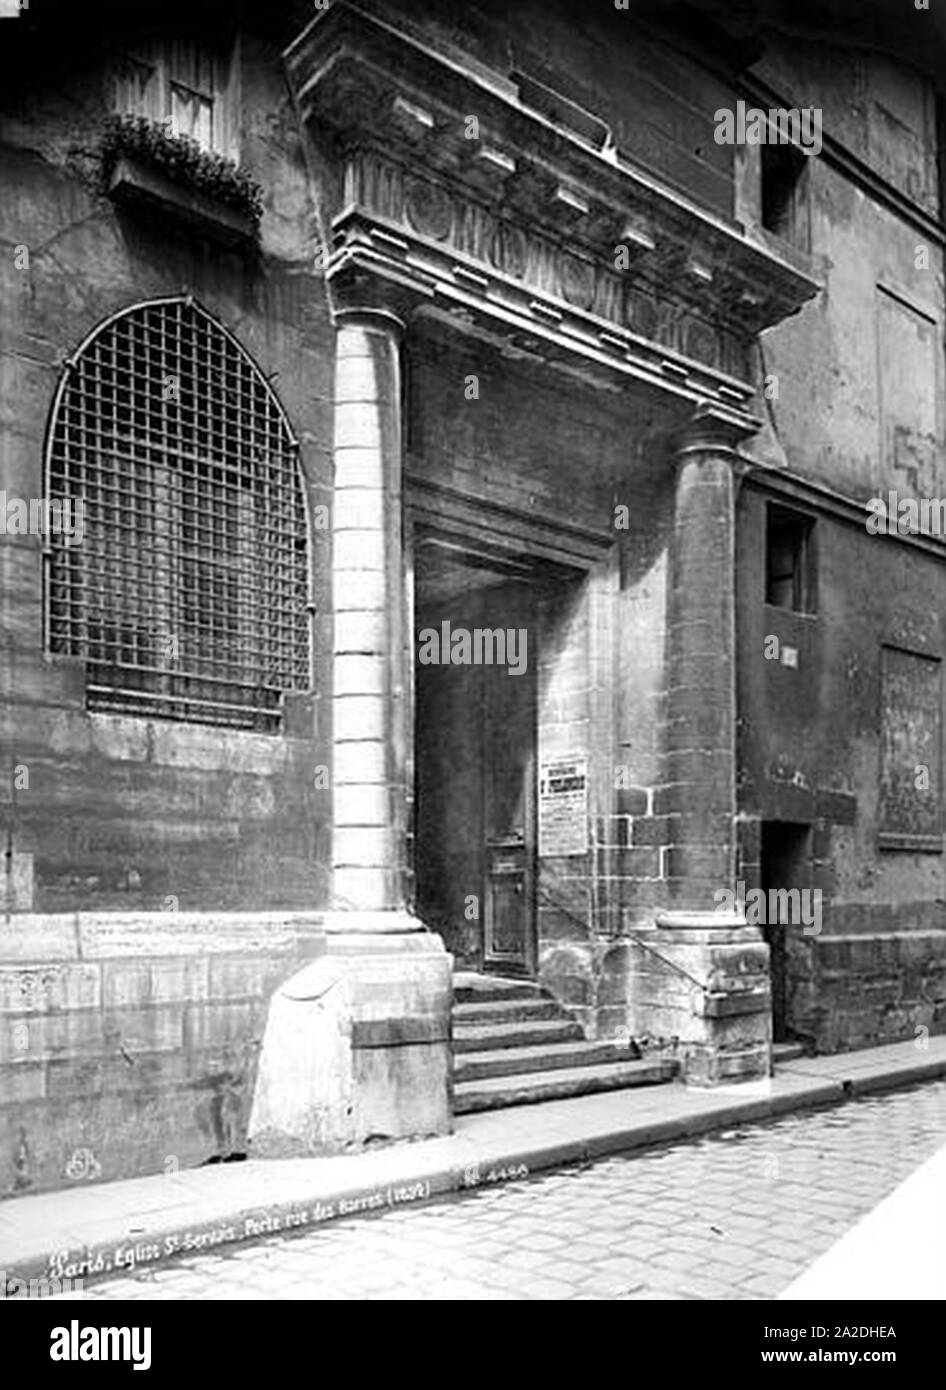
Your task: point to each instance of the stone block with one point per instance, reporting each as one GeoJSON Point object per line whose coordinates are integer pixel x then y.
{"type": "Point", "coordinates": [339, 1064]}
{"type": "Point", "coordinates": [33, 938]}
{"type": "Point", "coordinates": [136, 1030]}
{"type": "Point", "coordinates": [632, 801]}
{"type": "Point", "coordinates": [839, 808]}
{"type": "Point", "coordinates": [219, 1024]}
{"type": "Point", "coordinates": [40, 989]}
{"type": "Point", "coordinates": [46, 1037]}
{"type": "Point", "coordinates": [21, 1084]}
{"type": "Point", "coordinates": [639, 862]}
{"type": "Point", "coordinates": [401, 1091]}
{"type": "Point", "coordinates": [137, 982]}
{"type": "Point", "coordinates": [118, 737]}
{"type": "Point", "coordinates": [16, 882]}
{"type": "Point", "coordinates": [255, 976]}
{"type": "Point", "coordinates": [555, 925]}
{"type": "Point", "coordinates": [654, 830]}
{"type": "Point", "coordinates": [706, 994]}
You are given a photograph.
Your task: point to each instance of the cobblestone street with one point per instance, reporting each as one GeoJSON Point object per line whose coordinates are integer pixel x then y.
{"type": "Point", "coordinates": [736, 1215]}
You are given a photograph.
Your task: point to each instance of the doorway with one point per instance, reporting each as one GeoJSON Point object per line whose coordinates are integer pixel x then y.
{"type": "Point", "coordinates": [784, 864]}
{"type": "Point", "coordinates": [478, 621]}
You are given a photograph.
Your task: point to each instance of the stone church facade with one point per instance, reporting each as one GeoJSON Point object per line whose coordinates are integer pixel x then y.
{"type": "Point", "coordinates": [451, 321]}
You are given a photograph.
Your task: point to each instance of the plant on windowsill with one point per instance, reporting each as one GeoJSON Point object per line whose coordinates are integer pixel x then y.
{"type": "Point", "coordinates": [144, 163]}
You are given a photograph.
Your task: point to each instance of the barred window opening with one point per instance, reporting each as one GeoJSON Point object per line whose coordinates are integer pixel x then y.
{"type": "Point", "coordinates": [187, 595]}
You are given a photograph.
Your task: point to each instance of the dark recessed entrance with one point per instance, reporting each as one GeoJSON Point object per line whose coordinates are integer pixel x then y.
{"type": "Point", "coordinates": [785, 864]}
{"type": "Point", "coordinates": [478, 624]}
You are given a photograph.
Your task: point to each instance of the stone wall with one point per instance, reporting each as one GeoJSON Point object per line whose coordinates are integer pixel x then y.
{"type": "Point", "coordinates": [136, 1044]}
{"type": "Point", "coordinates": [860, 373]}
{"type": "Point", "coordinates": [849, 991]}
{"type": "Point", "coordinates": [658, 103]}
{"type": "Point", "coordinates": [810, 741]}
{"type": "Point", "coordinates": [129, 1044]}
{"type": "Point", "coordinates": [855, 393]}
{"type": "Point", "coordinates": [116, 812]}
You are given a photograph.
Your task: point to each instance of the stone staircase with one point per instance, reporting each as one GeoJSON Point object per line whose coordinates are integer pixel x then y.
{"type": "Point", "coordinates": [514, 1044]}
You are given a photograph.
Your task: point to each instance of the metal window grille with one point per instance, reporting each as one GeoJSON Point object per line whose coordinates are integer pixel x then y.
{"type": "Point", "coordinates": [188, 593]}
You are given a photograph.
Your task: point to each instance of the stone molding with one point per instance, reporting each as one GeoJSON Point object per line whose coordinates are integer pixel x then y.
{"type": "Point", "coordinates": [520, 224]}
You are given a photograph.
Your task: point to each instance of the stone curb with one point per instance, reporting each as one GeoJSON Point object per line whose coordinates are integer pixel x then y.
{"type": "Point", "coordinates": [486, 1166]}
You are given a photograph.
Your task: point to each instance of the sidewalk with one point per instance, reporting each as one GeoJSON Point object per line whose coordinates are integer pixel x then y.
{"type": "Point", "coordinates": [94, 1231]}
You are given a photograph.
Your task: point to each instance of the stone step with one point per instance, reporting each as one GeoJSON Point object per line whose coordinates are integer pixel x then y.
{"type": "Point", "coordinates": [787, 1051]}
{"type": "Point", "coordinates": [469, 988]}
{"type": "Point", "coordinates": [476, 1066]}
{"type": "Point", "coordinates": [490, 1036]}
{"type": "Point", "coordinates": [527, 1088]}
{"type": "Point", "coordinates": [508, 1011]}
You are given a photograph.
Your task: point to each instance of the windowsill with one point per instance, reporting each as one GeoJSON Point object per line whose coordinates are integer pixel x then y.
{"type": "Point", "coordinates": [139, 186]}
{"type": "Point", "coordinates": [789, 612]}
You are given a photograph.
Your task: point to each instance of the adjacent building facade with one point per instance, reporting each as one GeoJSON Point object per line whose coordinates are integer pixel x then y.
{"type": "Point", "coordinates": [450, 548]}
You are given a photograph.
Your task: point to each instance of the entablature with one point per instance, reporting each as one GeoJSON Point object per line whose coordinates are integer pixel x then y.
{"type": "Point", "coordinates": [457, 190]}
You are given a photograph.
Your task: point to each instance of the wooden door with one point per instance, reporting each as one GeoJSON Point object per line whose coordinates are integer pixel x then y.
{"type": "Point", "coordinates": [508, 755]}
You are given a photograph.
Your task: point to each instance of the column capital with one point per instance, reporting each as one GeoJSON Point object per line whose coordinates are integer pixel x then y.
{"type": "Point", "coordinates": [712, 429]}
{"type": "Point", "coordinates": [371, 316]}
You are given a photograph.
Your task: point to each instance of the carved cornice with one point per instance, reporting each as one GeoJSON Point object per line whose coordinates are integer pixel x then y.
{"type": "Point", "coordinates": [459, 251]}
{"type": "Point", "coordinates": [532, 224]}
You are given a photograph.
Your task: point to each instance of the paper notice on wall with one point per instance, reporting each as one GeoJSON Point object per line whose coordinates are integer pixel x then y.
{"type": "Point", "coordinates": [563, 806]}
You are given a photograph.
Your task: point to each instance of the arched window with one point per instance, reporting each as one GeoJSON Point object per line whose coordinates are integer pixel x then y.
{"type": "Point", "coordinates": [187, 594]}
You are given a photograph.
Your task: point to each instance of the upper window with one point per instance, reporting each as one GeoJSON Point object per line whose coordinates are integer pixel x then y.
{"type": "Point", "coordinates": [188, 594]}
{"type": "Point", "coordinates": [785, 174]}
{"type": "Point", "coordinates": [182, 83]}
{"type": "Point", "coordinates": [789, 560]}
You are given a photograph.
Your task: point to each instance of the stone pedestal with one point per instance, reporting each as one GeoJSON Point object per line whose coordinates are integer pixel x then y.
{"type": "Point", "coordinates": [357, 1048]}
{"type": "Point", "coordinates": [703, 989]}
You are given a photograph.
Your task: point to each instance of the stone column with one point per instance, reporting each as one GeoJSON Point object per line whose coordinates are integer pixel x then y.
{"type": "Point", "coordinates": [700, 751]}
{"type": "Point", "coordinates": [704, 988]}
{"type": "Point", "coordinates": [370, 704]}
{"type": "Point", "coordinates": [357, 1042]}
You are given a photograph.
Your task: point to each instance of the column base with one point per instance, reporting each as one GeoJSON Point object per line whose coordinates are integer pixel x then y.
{"type": "Point", "coordinates": [391, 921]}
{"type": "Point", "coordinates": [357, 1043]}
{"type": "Point", "coordinates": [708, 997]}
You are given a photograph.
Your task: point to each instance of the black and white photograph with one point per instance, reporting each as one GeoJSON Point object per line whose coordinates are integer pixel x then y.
{"type": "Point", "coordinates": [472, 628]}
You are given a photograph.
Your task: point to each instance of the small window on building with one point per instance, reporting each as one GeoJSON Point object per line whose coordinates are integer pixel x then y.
{"type": "Point", "coordinates": [185, 84]}
{"type": "Point", "coordinates": [187, 597]}
{"type": "Point", "coordinates": [785, 193]}
{"type": "Point", "coordinates": [789, 560]}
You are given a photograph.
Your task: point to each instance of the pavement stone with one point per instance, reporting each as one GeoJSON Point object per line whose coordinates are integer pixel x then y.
{"type": "Point", "coordinates": [699, 1218]}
